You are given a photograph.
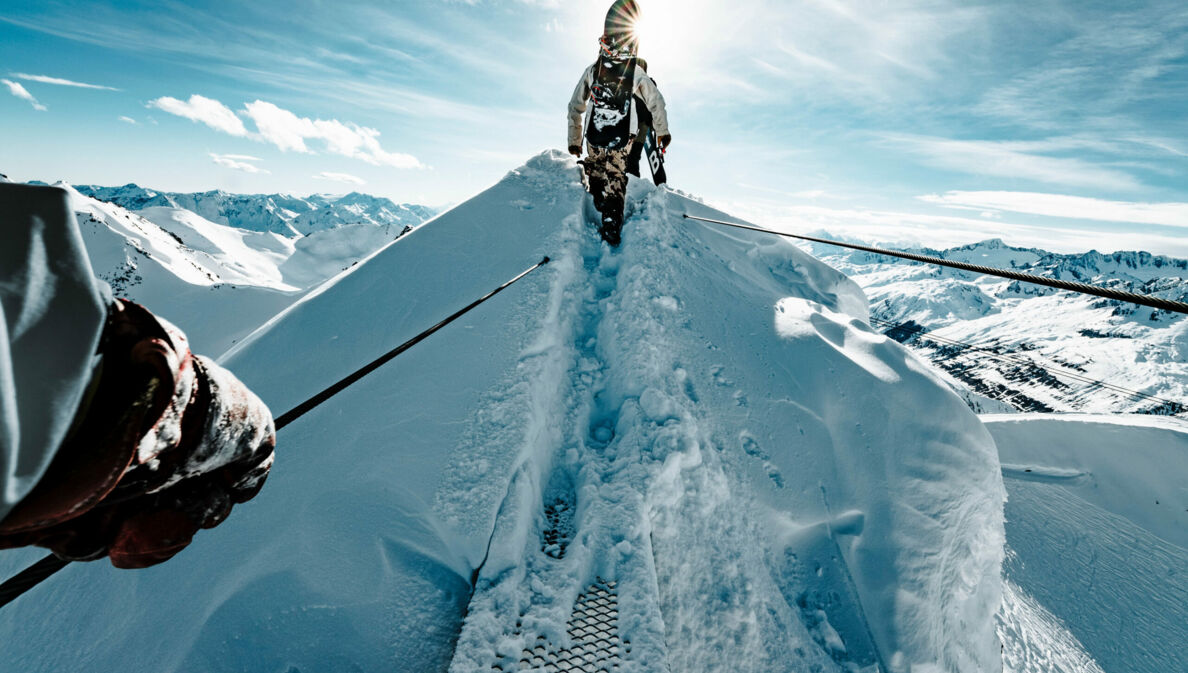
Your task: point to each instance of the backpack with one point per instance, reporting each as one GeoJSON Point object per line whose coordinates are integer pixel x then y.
{"type": "Point", "coordinates": [612, 93]}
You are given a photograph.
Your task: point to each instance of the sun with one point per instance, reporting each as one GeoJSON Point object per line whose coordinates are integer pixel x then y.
{"type": "Point", "coordinates": [669, 31]}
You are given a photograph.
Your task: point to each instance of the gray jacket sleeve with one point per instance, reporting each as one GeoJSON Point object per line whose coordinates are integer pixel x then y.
{"type": "Point", "coordinates": [577, 108]}
{"type": "Point", "coordinates": [52, 312]}
{"type": "Point", "coordinates": [646, 89]}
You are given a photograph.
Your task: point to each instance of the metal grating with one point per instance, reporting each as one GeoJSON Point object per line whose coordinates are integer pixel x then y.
{"type": "Point", "coordinates": [594, 630]}
{"type": "Point", "coordinates": [559, 516]}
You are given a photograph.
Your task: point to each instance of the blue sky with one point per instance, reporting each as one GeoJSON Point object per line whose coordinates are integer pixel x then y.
{"type": "Point", "coordinates": [1048, 122]}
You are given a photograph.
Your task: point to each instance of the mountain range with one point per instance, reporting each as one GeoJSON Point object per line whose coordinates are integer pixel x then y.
{"type": "Point", "coordinates": [219, 265]}
{"type": "Point", "coordinates": [1032, 348]}
{"type": "Point", "coordinates": [278, 213]}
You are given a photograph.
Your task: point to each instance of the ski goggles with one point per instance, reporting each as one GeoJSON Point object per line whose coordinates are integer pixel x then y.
{"type": "Point", "coordinates": [618, 46]}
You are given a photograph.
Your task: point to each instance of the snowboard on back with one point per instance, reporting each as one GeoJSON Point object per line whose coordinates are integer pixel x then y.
{"type": "Point", "coordinates": [655, 157]}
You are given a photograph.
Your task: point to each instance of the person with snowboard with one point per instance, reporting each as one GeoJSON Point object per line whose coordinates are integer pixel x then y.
{"type": "Point", "coordinates": [115, 440]}
{"type": "Point", "coordinates": [603, 109]}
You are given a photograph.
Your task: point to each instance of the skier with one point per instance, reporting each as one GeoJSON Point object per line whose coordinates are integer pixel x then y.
{"type": "Point", "coordinates": [115, 440]}
{"type": "Point", "coordinates": [612, 83]}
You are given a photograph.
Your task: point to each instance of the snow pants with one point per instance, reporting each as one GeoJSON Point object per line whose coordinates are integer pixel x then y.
{"type": "Point", "coordinates": [606, 177]}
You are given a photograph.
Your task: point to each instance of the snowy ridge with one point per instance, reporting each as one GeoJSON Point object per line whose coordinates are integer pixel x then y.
{"type": "Point", "coordinates": [1044, 346]}
{"type": "Point", "coordinates": [769, 484]}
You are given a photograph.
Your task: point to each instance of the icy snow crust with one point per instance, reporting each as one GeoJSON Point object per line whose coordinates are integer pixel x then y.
{"type": "Point", "coordinates": [769, 484]}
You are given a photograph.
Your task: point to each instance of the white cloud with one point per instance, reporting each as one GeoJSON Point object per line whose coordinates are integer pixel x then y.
{"type": "Point", "coordinates": [44, 79]}
{"type": "Point", "coordinates": [129, 120]}
{"type": "Point", "coordinates": [340, 177]}
{"type": "Point", "coordinates": [289, 132]}
{"type": "Point", "coordinates": [237, 162]}
{"type": "Point", "coordinates": [20, 92]}
{"type": "Point", "coordinates": [1015, 159]}
{"type": "Point", "coordinates": [205, 110]}
{"type": "Point", "coordinates": [1073, 207]}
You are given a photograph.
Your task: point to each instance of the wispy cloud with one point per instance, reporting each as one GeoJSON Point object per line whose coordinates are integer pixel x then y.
{"type": "Point", "coordinates": [1073, 207]}
{"type": "Point", "coordinates": [1091, 68]}
{"type": "Point", "coordinates": [204, 110]}
{"type": "Point", "coordinates": [239, 162]}
{"type": "Point", "coordinates": [45, 79]}
{"type": "Point", "coordinates": [1028, 160]}
{"type": "Point", "coordinates": [19, 91]}
{"type": "Point", "coordinates": [129, 120]}
{"type": "Point", "coordinates": [340, 177]}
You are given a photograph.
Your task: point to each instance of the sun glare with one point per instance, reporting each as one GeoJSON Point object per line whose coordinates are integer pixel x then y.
{"type": "Point", "coordinates": [669, 30]}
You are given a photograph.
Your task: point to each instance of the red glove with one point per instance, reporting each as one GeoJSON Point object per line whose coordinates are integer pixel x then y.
{"type": "Point", "coordinates": [168, 443]}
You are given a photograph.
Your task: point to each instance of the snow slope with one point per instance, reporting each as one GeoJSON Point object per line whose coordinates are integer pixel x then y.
{"type": "Point", "coordinates": [216, 283]}
{"type": "Point", "coordinates": [770, 484]}
{"type": "Point", "coordinates": [1097, 528]}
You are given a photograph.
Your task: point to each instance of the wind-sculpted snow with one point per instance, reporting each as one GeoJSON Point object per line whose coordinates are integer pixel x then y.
{"type": "Point", "coordinates": [702, 420]}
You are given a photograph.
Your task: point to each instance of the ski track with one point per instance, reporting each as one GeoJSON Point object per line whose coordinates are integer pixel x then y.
{"type": "Point", "coordinates": [1036, 641]}
{"type": "Point", "coordinates": [621, 491]}
{"type": "Point", "coordinates": [1088, 564]}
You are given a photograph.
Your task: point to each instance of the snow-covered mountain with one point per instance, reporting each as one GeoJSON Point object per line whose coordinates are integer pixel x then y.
{"type": "Point", "coordinates": [695, 453]}
{"type": "Point", "coordinates": [218, 283]}
{"type": "Point", "coordinates": [356, 208]}
{"type": "Point", "coordinates": [278, 213]}
{"type": "Point", "coordinates": [695, 444]}
{"type": "Point", "coordinates": [1036, 348]}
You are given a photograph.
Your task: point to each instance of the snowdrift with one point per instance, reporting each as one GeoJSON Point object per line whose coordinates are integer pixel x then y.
{"type": "Point", "coordinates": [1098, 539]}
{"type": "Point", "coordinates": [770, 484]}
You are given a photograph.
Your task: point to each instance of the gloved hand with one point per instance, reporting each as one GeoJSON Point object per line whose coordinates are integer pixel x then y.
{"type": "Point", "coordinates": [665, 141]}
{"type": "Point", "coordinates": [576, 151]}
{"type": "Point", "coordinates": [169, 443]}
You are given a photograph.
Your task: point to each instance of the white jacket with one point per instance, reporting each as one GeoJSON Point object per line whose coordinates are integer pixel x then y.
{"type": "Point", "coordinates": [645, 89]}
{"type": "Point", "coordinates": [52, 312]}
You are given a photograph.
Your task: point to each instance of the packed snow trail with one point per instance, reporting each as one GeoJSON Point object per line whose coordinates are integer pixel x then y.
{"type": "Point", "coordinates": [665, 481]}
{"type": "Point", "coordinates": [702, 423]}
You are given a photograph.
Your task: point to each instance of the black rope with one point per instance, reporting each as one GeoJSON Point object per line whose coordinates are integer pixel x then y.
{"type": "Point", "coordinates": [37, 573]}
{"type": "Point", "coordinates": [1083, 288]}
